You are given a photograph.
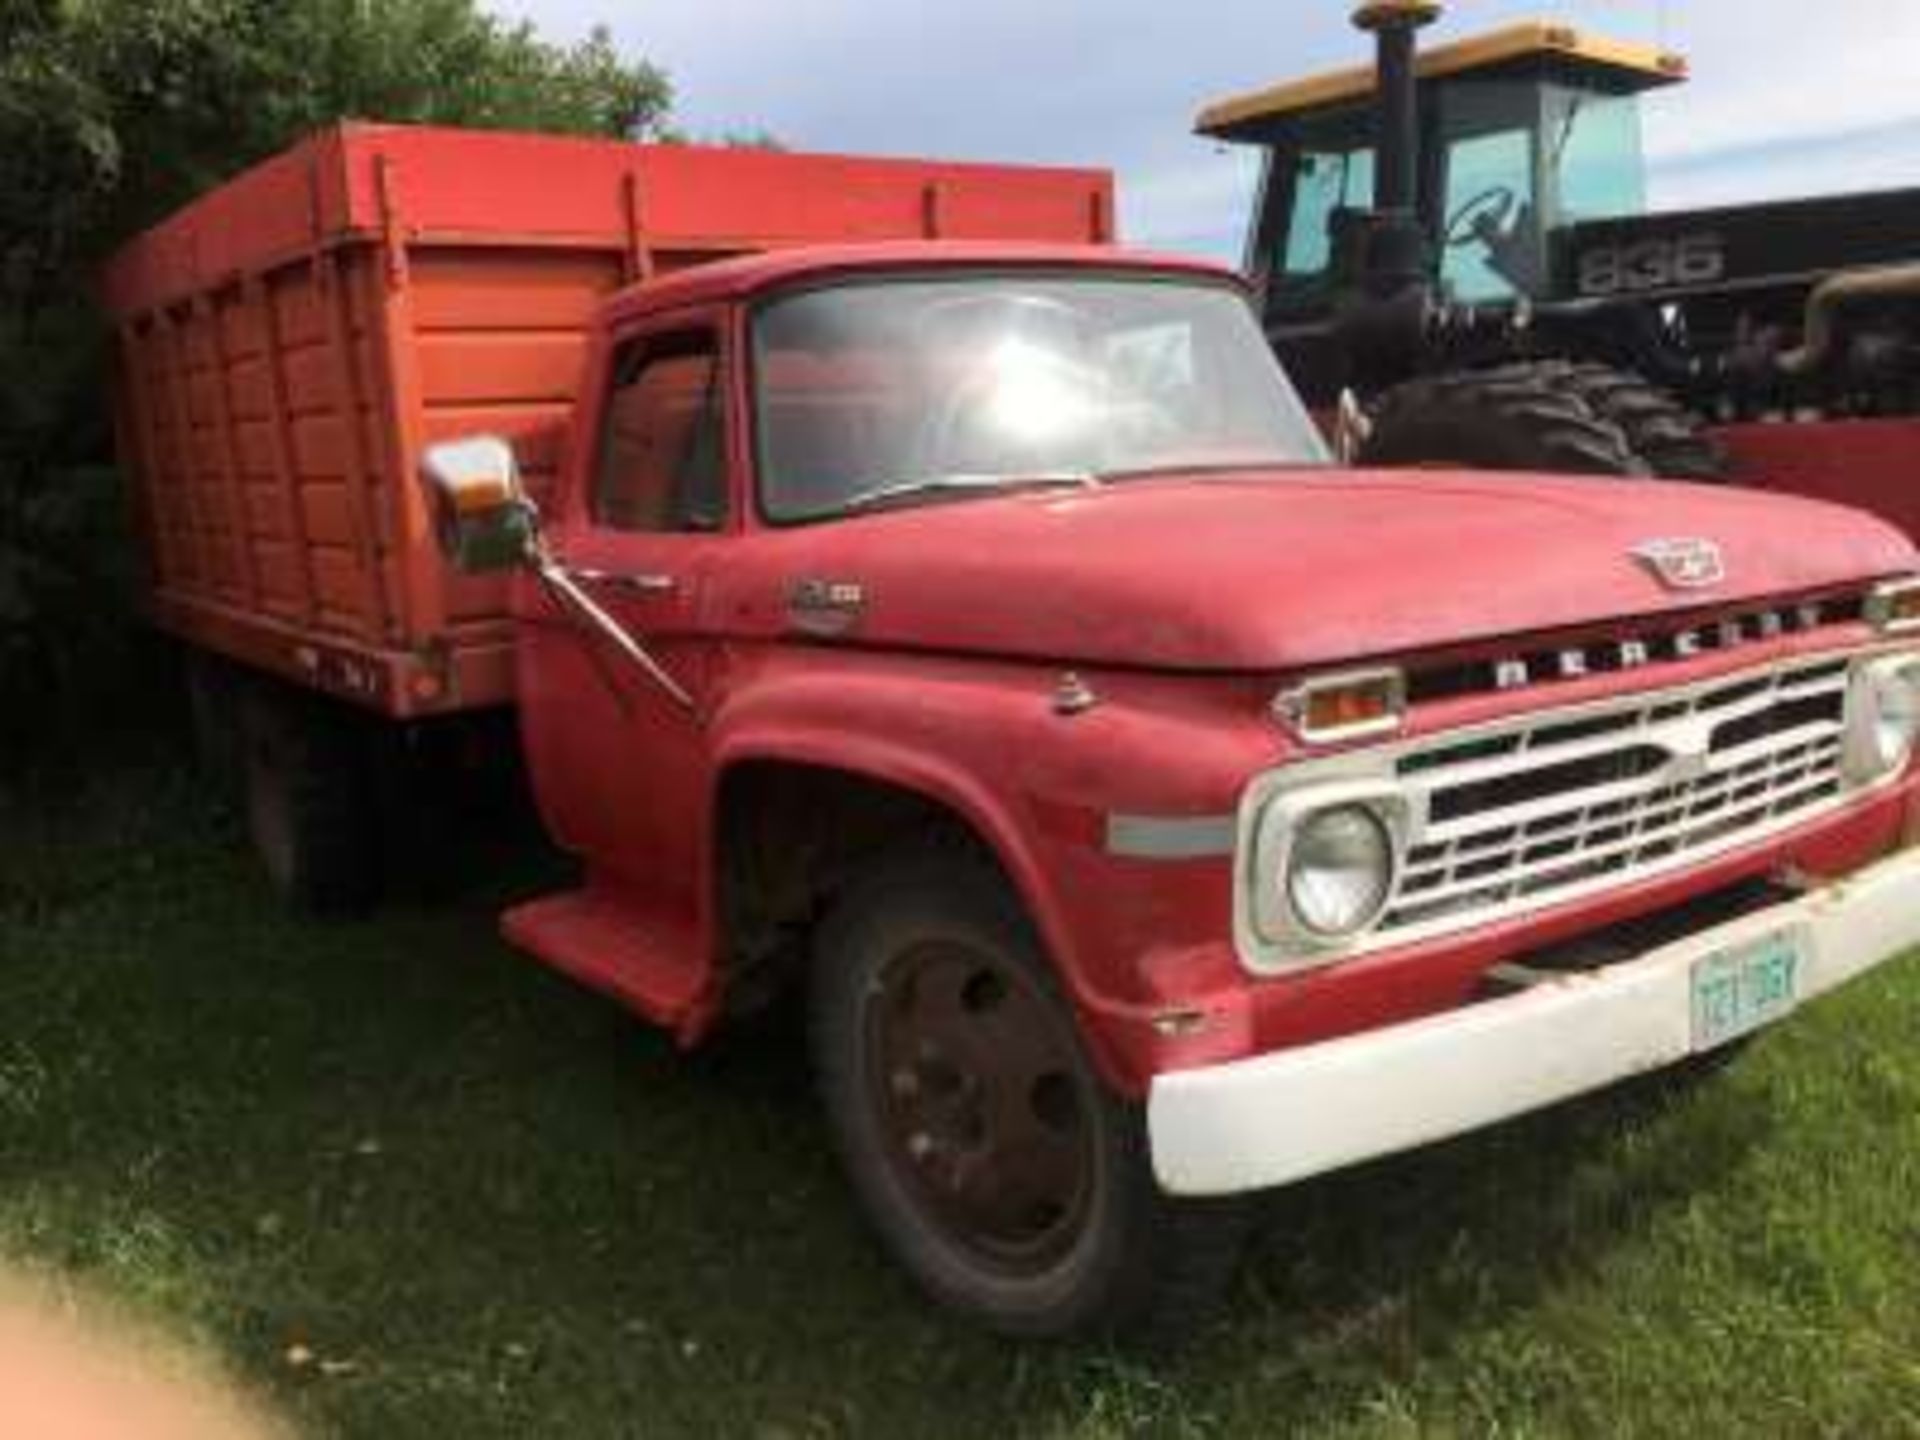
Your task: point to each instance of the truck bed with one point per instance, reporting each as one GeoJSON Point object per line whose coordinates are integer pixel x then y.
{"type": "Point", "coordinates": [291, 340]}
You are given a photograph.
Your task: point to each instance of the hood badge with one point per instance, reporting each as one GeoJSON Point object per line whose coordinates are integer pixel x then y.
{"type": "Point", "coordinates": [1682, 564]}
{"type": "Point", "coordinates": [825, 607]}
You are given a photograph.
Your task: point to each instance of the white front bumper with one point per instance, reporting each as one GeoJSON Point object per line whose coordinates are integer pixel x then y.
{"type": "Point", "coordinates": [1276, 1118]}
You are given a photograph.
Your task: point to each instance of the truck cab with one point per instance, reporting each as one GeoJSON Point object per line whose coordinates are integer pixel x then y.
{"type": "Point", "coordinates": [758, 441]}
{"type": "Point", "coordinates": [981, 639]}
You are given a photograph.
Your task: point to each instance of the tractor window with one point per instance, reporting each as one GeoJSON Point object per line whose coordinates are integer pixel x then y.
{"type": "Point", "coordinates": [1489, 204]}
{"type": "Point", "coordinates": [1594, 153]}
{"type": "Point", "coordinates": [1325, 182]}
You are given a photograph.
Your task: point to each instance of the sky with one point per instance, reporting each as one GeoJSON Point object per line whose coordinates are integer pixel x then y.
{"type": "Point", "coordinates": [1788, 97]}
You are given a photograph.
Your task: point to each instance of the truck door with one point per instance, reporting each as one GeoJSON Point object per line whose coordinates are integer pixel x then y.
{"type": "Point", "coordinates": [618, 760]}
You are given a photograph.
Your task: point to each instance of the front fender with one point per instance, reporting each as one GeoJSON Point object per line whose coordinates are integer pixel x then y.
{"type": "Point", "coordinates": [1059, 799]}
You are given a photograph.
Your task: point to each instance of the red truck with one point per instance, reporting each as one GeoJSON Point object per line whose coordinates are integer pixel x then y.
{"type": "Point", "coordinates": [938, 610]}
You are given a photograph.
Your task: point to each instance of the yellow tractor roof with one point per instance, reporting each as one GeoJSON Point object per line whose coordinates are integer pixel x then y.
{"type": "Point", "coordinates": [1616, 64]}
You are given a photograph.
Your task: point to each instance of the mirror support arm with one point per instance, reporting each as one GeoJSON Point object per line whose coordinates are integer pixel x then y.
{"type": "Point", "coordinates": [556, 578]}
{"type": "Point", "coordinates": [485, 522]}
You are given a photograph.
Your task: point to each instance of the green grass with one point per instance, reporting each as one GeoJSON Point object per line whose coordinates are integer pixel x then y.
{"type": "Point", "coordinates": [485, 1203]}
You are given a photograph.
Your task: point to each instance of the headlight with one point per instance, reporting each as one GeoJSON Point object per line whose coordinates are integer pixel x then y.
{"type": "Point", "coordinates": [1883, 717]}
{"type": "Point", "coordinates": [1338, 870]}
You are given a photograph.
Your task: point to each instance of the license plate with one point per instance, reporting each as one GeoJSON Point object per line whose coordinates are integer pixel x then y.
{"type": "Point", "coordinates": [1741, 988]}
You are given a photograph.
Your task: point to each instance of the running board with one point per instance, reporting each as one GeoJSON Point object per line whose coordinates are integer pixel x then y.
{"type": "Point", "coordinates": [608, 943]}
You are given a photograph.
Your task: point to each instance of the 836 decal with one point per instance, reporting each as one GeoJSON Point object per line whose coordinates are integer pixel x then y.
{"type": "Point", "coordinates": [1651, 265]}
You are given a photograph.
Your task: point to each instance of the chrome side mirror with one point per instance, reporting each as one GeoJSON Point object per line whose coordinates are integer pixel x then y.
{"type": "Point", "coordinates": [481, 514]}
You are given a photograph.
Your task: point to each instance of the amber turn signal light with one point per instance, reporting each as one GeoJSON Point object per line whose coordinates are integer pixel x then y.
{"type": "Point", "coordinates": [483, 493]}
{"type": "Point", "coordinates": [1359, 705]}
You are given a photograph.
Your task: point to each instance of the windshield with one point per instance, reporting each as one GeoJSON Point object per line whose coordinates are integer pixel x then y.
{"type": "Point", "coordinates": [927, 387]}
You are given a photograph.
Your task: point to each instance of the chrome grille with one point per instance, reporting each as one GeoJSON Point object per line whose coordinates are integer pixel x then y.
{"type": "Point", "coordinates": [1565, 803]}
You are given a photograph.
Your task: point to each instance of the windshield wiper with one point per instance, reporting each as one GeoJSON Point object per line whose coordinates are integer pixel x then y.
{"type": "Point", "coordinates": [961, 482]}
{"type": "Point", "coordinates": [1210, 467]}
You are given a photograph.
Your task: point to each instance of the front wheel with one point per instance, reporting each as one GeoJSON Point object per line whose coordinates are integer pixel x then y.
{"type": "Point", "coordinates": [995, 1164]}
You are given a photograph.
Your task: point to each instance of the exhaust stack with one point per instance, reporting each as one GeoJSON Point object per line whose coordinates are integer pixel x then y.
{"type": "Point", "coordinates": [1393, 24]}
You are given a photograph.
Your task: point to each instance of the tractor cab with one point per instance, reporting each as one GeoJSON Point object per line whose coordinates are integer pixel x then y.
{"type": "Point", "coordinates": [1458, 267]}
{"type": "Point", "coordinates": [1520, 133]}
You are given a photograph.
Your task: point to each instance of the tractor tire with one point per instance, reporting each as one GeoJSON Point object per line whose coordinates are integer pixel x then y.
{"type": "Point", "coordinates": [312, 799]}
{"type": "Point", "coordinates": [1515, 417]}
{"type": "Point", "coordinates": [992, 1160]}
{"type": "Point", "coordinates": [1664, 433]}
{"type": "Point", "coordinates": [1572, 417]}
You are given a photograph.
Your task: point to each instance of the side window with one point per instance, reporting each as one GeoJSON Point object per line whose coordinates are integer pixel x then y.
{"type": "Point", "coordinates": [661, 462]}
{"type": "Point", "coordinates": [1325, 183]}
{"type": "Point", "coordinates": [1488, 175]}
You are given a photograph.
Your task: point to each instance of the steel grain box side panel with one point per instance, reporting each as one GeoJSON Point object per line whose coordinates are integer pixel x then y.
{"type": "Point", "coordinates": [252, 423]}
{"type": "Point", "coordinates": [271, 212]}
{"type": "Point", "coordinates": [192, 490]}
{"type": "Point", "coordinates": [761, 202]}
{"type": "Point", "coordinates": [716, 197]}
{"type": "Point", "coordinates": [292, 339]}
{"type": "Point", "coordinates": [500, 335]}
{"type": "Point", "coordinates": [310, 398]}
{"type": "Point", "coordinates": [374, 182]}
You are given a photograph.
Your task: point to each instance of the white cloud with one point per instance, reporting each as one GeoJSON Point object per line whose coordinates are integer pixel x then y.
{"type": "Point", "coordinates": [1048, 81]}
{"type": "Point", "coordinates": [1788, 96]}
{"type": "Point", "coordinates": [1880, 159]}
{"type": "Point", "coordinates": [1196, 201]}
{"type": "Point", "coordinates": [1775, 73]}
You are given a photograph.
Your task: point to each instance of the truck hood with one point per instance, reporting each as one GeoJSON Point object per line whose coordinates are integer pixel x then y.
{"type": "Point", "coordinates": [1266, 571]}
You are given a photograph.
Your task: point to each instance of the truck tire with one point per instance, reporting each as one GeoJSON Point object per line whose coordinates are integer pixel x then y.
{"type": "Point", "coordinates": [995, 1165]}
{"type": "Point", "coordinates": [311, 799]}
{"type": "Point", "coordinates": [1665, 434]}
{"type": "Point", "coordinates": [213, 699]}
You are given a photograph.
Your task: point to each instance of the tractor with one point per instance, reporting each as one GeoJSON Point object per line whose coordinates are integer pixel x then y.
{"type": "Point", "coordinates": [1455, 256]}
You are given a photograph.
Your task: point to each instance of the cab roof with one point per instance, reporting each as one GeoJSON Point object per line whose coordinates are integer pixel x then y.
{"type": "Point", "coordinates": [1527, 48]}
{"type": "Point", "coordinates": [747, 275]}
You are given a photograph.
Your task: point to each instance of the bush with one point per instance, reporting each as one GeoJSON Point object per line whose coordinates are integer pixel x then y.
{"type": "Point", "coordinates": [112, 113]}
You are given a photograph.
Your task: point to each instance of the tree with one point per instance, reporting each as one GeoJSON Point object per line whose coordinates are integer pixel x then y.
{"type": "Point", "coordinates": [113, 112]}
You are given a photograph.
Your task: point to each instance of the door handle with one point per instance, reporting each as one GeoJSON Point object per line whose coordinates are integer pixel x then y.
{"type": "Point", "coordinates": [654, 584]}
{"type": "Point", "coordinates": [565, 583]}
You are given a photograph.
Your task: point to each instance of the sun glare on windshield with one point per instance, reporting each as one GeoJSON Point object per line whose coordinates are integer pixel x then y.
{"type": "Point", "coordinates": [919, 387]}
{"type": "Point", "coordinates": [1033, 398]}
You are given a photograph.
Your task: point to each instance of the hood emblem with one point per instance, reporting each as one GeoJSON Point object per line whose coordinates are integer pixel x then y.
{"type": "Point", "coordinates": [1687, 564]}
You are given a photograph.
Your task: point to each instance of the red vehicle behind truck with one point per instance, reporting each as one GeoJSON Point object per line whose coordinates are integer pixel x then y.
{"type": "Point", "coordinates": [924, 604]}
